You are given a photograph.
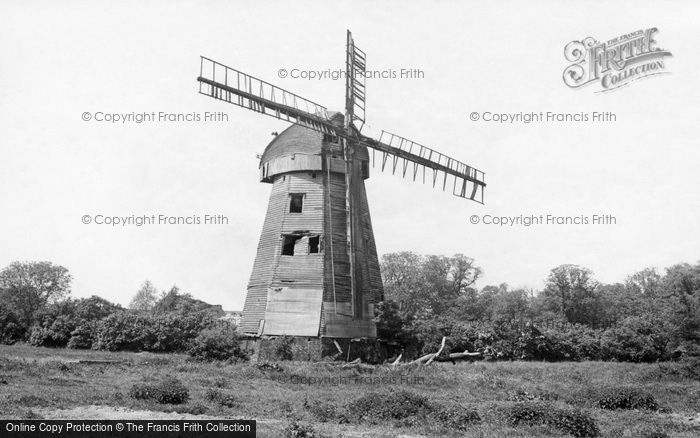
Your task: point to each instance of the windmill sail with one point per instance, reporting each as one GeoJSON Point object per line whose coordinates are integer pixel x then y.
{"type": "Point", "coordinates": [230, 85]}
{"type": "Point", "coordinates": [356, 72]}
{"type": "Point", "coordinates": [233, 86]}
{"type": "Point", "coordinates": [415, 159]}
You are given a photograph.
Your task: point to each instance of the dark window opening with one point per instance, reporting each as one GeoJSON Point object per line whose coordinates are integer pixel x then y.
{"type": "Point", "coordinates": [288, 244]}
{"type": "Point", "coordinates": [328, 138]}
{"type": "Point", "coordinates": [296, 203]}
{"type": "Point", "coordinates": [313, 174]}
{"type": "Point", "coordinates": [314, 244]}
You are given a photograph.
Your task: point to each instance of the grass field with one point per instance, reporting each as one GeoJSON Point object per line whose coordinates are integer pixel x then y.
{"type": "Point", "coordinates": [52, 383]}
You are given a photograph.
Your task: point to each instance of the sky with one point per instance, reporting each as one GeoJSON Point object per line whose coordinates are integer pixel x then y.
{"type": "Point", "coordinates": [64, 60]}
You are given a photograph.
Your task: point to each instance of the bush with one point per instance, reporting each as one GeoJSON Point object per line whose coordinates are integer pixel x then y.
{"type": "Point", "coordinates": [141, 331]}
{"type": "Point", "coordinates": [11, 329]}
{"type": "Point", "coordinates": [455, 416]}
{"type": "Point", "coordinates": [124, 330]}
{"type": "Point", "coordinates": [527, 413]}
{"type": "Point", "coordinates": [83, 336]}
{"type": "Point", "coordinates": [394, 406]}
{"type": "Point", "coordinates": [626, 398]}
{"type": "Point", "coordinates": [269, 366]}
{"type": "Point", "coordinates": [573, 422]}
{"type": "Point", "coordinates": [322, 411]}
{"type": "Point", "coordinates": [221, 398]}
{"type": "Point", "coordinates": [54, 333]}
{"type": "Point", "coordinates": [176, 331]}
{"type": "Point", "coordinates": [217, 343]}
{"type": "Point", "coordinates": [168, 390]}
{"type": "Point", "coordinates": [578, 342]}
{"type": "Point", "coordinates": [636, 339]}
{"type": "Point", "coordinates": [283, 348]}
{"type": "Point", "coordinates": [296, 429]}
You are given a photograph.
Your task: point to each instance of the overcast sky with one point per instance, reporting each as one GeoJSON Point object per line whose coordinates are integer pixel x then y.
{"type": "Point", "coordinates": [62, 59]}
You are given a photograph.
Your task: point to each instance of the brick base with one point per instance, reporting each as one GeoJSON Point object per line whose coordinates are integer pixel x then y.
{"type": "Point", "coordinates": [273, 348]}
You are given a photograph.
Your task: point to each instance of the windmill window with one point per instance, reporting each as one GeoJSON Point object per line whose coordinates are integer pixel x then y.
{"type": "Point", "coordinates": [328, 138]}
{"type": "Point", "coordinates": [288, 244]}
{"type": "Point", "coordinates": [296, 202]}
{"type": "Point", "coordinates": [314, 244]}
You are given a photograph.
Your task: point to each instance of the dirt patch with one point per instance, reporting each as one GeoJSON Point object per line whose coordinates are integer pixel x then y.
{"type": "Point", "coordinates": [692, 420]}
{"type": "Point", "coordinates": [94, 412]}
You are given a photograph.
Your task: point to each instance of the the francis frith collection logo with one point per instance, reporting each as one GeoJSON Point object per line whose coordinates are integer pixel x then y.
{"type": "Point", "coordinates": [614, 63]}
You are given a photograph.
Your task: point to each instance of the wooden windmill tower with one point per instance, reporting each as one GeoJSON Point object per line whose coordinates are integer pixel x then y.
{"type": "Point", "coordinates": [316, 272]}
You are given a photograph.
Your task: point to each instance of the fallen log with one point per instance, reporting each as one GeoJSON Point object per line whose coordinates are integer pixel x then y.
{"type": "Point", "coordinates": [428, 358]}
{"type": "Point", "coordinates": [454, 357]}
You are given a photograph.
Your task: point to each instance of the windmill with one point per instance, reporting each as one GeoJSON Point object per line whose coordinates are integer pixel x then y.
{"type": "Point", "coordinates": [316, 272]}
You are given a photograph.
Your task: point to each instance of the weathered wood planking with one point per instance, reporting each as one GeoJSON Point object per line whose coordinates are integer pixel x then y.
{"type": "Point", "coordinates": [298, 162]}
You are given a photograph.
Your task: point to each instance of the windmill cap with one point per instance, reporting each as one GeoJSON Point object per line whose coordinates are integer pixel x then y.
{"type": "Point", "coordinates": [297, 139]}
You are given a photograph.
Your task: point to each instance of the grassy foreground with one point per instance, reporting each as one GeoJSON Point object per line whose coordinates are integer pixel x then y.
{"type": "Point", "coordinates": [41, 383]}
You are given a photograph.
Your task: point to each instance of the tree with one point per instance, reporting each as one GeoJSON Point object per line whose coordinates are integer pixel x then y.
{"type": "Point", "coordinates": [401, 272]}
{"type": "Point", "coordinates": [447, 279]}
{"type": "Point", "coordinates": [427, 285]}
{"type": "Point", "coordinates": [571, 290]}
{"type": "Point", "coordinates": [682, 286]}
{"type": "Point", "coordinates": [29, 286]}
{"type": "Point", "coordinates": [146, 297]}
{"type": "Point", "coordinates": [174, 301]}
{"type": "Point", "coordinates": [646, 282]}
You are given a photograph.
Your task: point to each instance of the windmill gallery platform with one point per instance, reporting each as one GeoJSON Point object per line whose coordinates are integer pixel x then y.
{"type": "Point", "coordinates": [300, 284]}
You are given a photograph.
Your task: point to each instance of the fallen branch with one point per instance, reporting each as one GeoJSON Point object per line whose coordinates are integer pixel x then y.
{"type": "Point", "coordinates": [453, 357]}
{"type": "Point", "coordinates": [428, 358]}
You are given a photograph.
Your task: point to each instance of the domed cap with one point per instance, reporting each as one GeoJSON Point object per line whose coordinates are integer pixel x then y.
{"type": "Point", "coordinates": [294, 140]}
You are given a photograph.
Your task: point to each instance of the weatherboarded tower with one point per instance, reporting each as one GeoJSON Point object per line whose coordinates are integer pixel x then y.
{"type": "Point", "coordinates": [301, 282]}
{"type": "Point", "coordinates": [316, 273]}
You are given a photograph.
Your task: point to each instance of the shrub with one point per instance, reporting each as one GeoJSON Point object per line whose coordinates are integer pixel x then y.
{"type": "Point", "coordinates": [219, 343]}
{"type": "Point", "coordinates": [626, 398]}
{"type": "Point", "coordinates": [322, 411]}
{"type": "Point", "coordinates": [578, 342]}
{"type": "Point", "coordinates": [221, 398]}
{"type": "Point", "coordinates": [573, 422]}
{"type": "Point", "coordinates": [167, 390]}
{"type": "Point", "coordinates": [83, 336]}
{"type": "Point", "coordinates": [635, 339]}
{"type": "Point", "coordinates": [296, 429]}
{"type": "Point", "coordinates": [455, 416]}
{"type": "Point", "coordinates": [283, 348]}
{"type": "Point", "coordinates": [11, 329]}
{"type": "Point", "coordinates": [528, 413]}
{"type": "Point", "coordinates": [124, 330]}
{"type": "Point", "coordinates": [54, 333]}
{"type": "Point", "coordinates": [394, 406]}
{"type": "Point", "coordinates": [534, 345]}
{"type": "Point", "coordinates": [175, 331]}
{"type": "Point", "coordinates": [269, 366]}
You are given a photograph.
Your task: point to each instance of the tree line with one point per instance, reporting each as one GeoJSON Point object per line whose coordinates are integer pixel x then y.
{"type": "Point", "coordinates": [36, 307]}
{"type": "Point", "coordinates": [648, 317]}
